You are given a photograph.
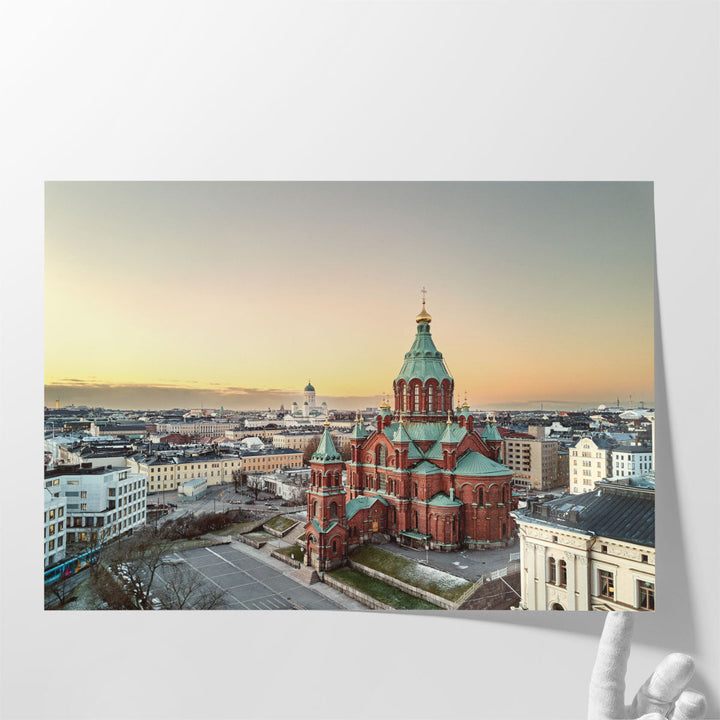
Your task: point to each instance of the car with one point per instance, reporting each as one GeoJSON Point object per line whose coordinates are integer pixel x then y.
{"type": "Point", "coordinates": [172, 505]}
{"type": "Point", "coordinates": [273, 507]}
{"type": "Point", "coordinates": [250, 502]}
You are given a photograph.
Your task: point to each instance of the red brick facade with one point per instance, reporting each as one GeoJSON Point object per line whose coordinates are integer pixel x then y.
{"type": "Point", "coordinates": [425, 476]}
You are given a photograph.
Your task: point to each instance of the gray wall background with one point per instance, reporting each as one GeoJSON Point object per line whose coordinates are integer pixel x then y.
{"type": "Point", "coordinates": [541, 91]}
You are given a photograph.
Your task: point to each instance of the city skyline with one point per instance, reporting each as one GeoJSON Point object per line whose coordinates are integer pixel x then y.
{"type": "Point", "coordinates": [234, 294]}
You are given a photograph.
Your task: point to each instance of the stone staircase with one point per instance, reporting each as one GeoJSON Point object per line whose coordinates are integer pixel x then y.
{"type": "Point", "coordinates": [306, 575]}
{"type": "Point", "coordinates": [294, 534]}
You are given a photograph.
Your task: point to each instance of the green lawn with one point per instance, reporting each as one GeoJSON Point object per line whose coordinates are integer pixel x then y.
{"type": "Point", "coordinates": [294, 551]}
{"type": "Point", "coordinates": [238, 528]}
{"type": "Point", "coordinates": [260, 535]}
{"type": "Point", "coordinates": [381, 591]}
{"type": "Point", "coordinates": [420, 576]}
{"type": "Point", "coordinates": [280, 523]}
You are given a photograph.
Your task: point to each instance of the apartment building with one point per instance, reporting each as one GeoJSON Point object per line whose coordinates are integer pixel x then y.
{"type": "Point", "coordinates": [592, 551]}
{"type": "Point", "coordinates": [208, 428]}
{"type": "Point", "coordinates": [534, 462]}
{"type": "Point", "coordinates": [54, 527]}
{"type": "Point", "coordinates": [101, 503]}
{"type": "Point", "coordinates": [295, 441]}
{"type": "Point", "coordinates": [168, 472]}
{"type": "Point", "coordinates": [629, 460]}
{"type": "Point", "coordinates": [590, 461]}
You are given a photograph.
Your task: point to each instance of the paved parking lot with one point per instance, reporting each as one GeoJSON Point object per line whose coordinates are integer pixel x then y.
{"type": "Point", "coordinates": [252, 584]}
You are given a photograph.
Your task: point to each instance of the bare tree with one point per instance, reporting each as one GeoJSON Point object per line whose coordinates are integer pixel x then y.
{"type": "Point", "coordinates": [182, 588]}
{"type": "Point", "coordinates": [310, 448]}
{"type": "Point", "coordinates": [134, 562]}
{"type": "Point", "coordinates": [239, 479]}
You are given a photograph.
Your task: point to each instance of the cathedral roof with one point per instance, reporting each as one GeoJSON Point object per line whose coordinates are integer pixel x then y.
{"type": "Point", "coordinates": [401, 434]}
{"type": "Point", "coordinates": [425, 468]}
{"type": "Point", "coordinates": [442, 500]}
{"type": "Point", "coordinates": [358, 431]}
{"type": "Point", "coordinates": [309, 387]}
{"type": "Point", "coordinates": [317, 526]}
{"type": "Point", "coordinates": [362, 502]}
{"type": "Point", "coordinates": [423, 361]}
{"type": "Point", "coordinates": [419, 432]}
{"type": "Point", "coordinates": [453, 434]}
{"type": "Point", "coordinates": [474, 464]}
{"type": "Point", "coordinates": [326, 451]}
{"type": "Point", "coordinates": [491, 432]}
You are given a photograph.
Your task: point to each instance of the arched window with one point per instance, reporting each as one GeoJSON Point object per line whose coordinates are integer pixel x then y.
{"type": "Point", "coordinates": [481, 499]}
{"type": "Point", "coordinates": [416, 489]}
{"type": "Point", "coordinates": [431, 398]}
{"type": "Point", "coordinates": [416, 407]}
{"type": "Point", "coordinates": [563, 573]}
{"type": "Point", "coordinates": [334, 547]}
{"type": "Point", "coordinates": [552, 570]}
{"type": "Point", "coordinates": [333, 510]}
{"type": "Point", "coordinates": [382, 455]}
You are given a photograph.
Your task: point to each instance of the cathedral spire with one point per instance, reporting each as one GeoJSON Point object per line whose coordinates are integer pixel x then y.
{"type": "Point", "coordinates": [423, 316]}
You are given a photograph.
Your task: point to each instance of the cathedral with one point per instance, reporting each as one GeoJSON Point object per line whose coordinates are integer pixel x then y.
{"type": "Point", "coordinates": [426, 476]}
{"type": "Point", "coordinates": [311, 414]}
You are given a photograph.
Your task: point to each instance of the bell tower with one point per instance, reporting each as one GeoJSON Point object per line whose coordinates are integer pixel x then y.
{"type": "Point", "coordinates": [326, 526]}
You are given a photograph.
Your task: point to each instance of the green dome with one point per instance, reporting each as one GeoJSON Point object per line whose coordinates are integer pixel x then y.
{"type": "Point", "coordinates": [309, 388]}
{"type": "Point", "coordinates": [423, 361]}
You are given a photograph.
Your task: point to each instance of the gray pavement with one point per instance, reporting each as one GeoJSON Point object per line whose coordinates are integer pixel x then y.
{"type": "Point", "coordinates": [254, 581]}
{"type": "Point", "coordinates": [469, 564]}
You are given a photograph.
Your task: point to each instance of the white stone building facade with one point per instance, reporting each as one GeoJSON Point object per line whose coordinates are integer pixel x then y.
{"type": "Point", "coordinates": [54, 528]}
{"type": "Point", "coordinates": [590, 461]}
{"type": "Point", "coordinates": [101, 505]}
{"type": "Point", "coordinates": [630, 460]}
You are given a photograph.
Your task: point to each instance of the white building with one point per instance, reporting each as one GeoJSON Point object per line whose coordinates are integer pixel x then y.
{"type": "Point", "coordinates": [594, 551]}
{"type": "Point", "coordinates": [199, 427]}
{"type": "Point", "coordinates": [192, 489]}
{"type": "Point", "coordinates": [101, 504]}
{"type": "Point", "coordinates": [590, 461]}
{"type": "Point", "coordinates": [290, 486]}
{"type": "Point", "coordinates": [629, 460]}
{"type": "Point", "coordinates": [54, 527]}
{"type": "Point", "coordinates": [56, 446]}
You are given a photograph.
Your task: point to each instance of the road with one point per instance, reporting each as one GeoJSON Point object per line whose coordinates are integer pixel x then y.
{"type": "Point", "coordinates": [217, 499]}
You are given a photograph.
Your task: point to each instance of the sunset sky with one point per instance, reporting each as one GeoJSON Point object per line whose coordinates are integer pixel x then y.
{"type": "Point", "coordinates": [163, 295]}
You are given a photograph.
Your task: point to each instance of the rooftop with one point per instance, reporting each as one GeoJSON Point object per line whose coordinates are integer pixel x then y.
{"type": "Point", "coordinates": [619, 512]}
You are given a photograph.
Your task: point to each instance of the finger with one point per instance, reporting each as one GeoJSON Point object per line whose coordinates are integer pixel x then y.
{"type": "Point", "coordinates": [607, 682]}
{"type": "Point", "coordinates": [690, 705]}
{"type": "Point", "coordinates": [663, 687]}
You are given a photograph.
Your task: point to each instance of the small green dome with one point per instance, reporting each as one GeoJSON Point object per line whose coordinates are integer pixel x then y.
{"type": "Point", "coordinates": [309, 388]}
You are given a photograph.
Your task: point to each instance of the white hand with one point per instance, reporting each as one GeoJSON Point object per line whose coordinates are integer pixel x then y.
{"type": "Point", "coordinates": [663, 695]}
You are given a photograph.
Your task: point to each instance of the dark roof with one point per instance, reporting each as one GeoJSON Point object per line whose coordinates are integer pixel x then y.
{"type": "Point", "coordinates": [619, 512]}
{"type": "Point", "coordinates": [632, 449]}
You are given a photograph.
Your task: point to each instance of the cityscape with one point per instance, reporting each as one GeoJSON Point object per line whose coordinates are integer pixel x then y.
{"type": "Point", "coordinates": [425, 496]}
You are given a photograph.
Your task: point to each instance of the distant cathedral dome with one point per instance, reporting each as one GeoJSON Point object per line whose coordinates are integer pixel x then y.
{"type": "Point", "coordinates": [309, 388]}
